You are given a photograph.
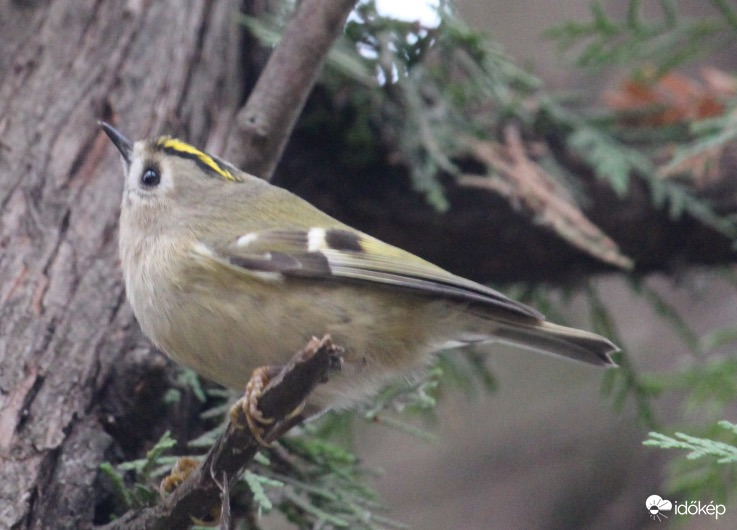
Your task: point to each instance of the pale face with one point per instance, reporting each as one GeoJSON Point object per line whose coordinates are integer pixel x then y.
{"type": "Point", "coordinates": [149, 177]}
{"type": "Point", "coordinates": [162, 176]}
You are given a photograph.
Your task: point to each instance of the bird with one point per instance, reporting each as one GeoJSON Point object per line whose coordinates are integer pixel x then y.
{"type": "Point", "coordinates": [227, 273]}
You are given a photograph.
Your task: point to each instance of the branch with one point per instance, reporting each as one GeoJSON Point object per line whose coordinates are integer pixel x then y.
{"type": "Point", "coordinates": [264, 125]}
{"type": "Point", "coordinates": [486, 237]}
{"type": "Point", "coordinates": [203, 490]}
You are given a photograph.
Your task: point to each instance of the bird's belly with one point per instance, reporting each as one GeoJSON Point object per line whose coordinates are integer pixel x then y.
{"type": "Point", "coordinates": [238, 331]}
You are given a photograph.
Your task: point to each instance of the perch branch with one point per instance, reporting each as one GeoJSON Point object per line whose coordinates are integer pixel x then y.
{"type": "Point", "coordinates": [204, 488]}
{"type": "Point", "coordinates": [264, 124]}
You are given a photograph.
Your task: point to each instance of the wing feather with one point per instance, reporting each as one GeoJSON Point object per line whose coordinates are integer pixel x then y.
{"type": "Point", "coordinates": [345, 255]}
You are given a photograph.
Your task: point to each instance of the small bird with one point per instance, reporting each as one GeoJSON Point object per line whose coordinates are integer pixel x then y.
{"type": "Point", "coordinates": [227, 273]}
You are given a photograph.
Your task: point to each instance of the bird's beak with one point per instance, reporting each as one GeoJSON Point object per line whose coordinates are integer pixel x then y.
{"type": "Point", "coordinates": [123, 144]}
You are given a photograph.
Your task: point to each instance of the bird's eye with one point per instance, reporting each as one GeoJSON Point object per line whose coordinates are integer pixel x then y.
{"type": "Point", "coordinates": [151, 177]}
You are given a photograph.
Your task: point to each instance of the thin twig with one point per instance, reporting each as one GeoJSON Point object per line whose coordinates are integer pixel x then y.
{"type": "Point", "coordinates": [265, 123]}
{"type": "Point", "coordinates": [202, 491]}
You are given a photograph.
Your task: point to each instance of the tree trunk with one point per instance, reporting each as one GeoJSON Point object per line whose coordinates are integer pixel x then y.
{"type": "Point", "coordinates": [66, 327]}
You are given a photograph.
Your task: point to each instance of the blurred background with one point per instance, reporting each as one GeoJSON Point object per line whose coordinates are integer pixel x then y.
{"type": "Point", "coordinates": [546, 450]}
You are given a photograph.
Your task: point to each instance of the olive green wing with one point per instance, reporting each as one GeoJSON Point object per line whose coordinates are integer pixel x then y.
{"type": "Point", "coordinates": [344, 255]}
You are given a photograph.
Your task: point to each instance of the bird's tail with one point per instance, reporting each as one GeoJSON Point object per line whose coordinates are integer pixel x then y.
{"type": "Point", "coordinates": [562, 341]}
{"type": "Point", "coordinates": [546, 337]}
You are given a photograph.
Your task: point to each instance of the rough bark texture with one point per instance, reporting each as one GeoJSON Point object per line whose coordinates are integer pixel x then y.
{"type": "Point", "coordinates": [74, 366]}
{"type": "Point", "coordinates": [64, 322]}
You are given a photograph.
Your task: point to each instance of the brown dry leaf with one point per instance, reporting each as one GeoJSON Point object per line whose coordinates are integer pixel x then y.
{"type": "Point", "coordinates": [529, 186]}
{"type": "Point", "coordinates": [672, 98]}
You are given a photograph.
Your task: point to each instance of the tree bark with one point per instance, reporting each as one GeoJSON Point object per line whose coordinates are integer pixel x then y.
{"type": "Point", "coordinates": [265, 124]}
{"type": "Point", "coordinates": [65, 324]}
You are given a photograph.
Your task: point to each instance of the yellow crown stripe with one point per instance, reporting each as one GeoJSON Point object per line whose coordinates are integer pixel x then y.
{"type": "Point", "coordinates": [207, 160]}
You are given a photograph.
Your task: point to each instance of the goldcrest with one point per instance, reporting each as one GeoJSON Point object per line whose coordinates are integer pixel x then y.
{"type": "Point", "coordinates": [226, 273]}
